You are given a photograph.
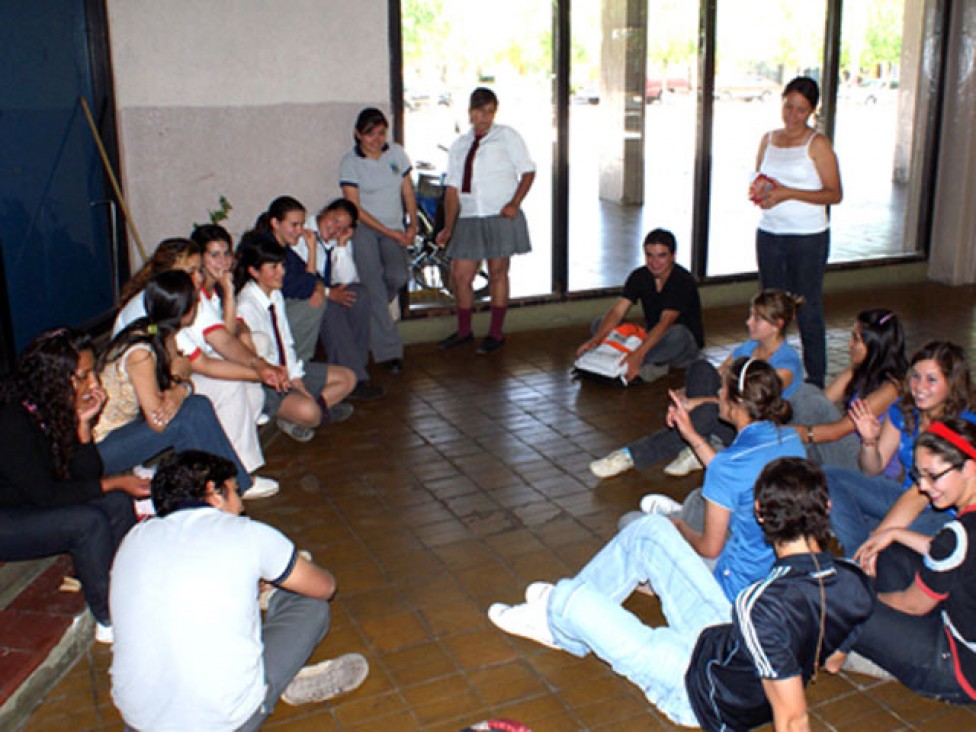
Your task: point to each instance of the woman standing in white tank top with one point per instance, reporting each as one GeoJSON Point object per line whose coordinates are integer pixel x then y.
{"type": "Point", "coordinates": [796, 179]}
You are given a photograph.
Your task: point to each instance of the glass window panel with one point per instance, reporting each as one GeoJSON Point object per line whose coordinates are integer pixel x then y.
{"type": "Point", "coordinates": [875, 136]}
{"type": "Point", "coordinates": [753, 62]}
{"type": "Point", "coordinates": [449, 48]}
{"type": "Point", "coordinates": [632, 133]}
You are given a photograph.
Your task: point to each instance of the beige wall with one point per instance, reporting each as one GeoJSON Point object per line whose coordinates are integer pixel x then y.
{"type": "Point", "coordinates": [244, 98]}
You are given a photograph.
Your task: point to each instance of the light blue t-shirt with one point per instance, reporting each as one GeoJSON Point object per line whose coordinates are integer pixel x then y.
{"type": "Point", "coordinates": [729, 482]}
{"type": "Point", "coordinates": [785, 358]}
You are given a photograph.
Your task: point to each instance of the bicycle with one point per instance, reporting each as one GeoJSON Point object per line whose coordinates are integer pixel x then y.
{"type": "Point", "coordinates": [430, 267]}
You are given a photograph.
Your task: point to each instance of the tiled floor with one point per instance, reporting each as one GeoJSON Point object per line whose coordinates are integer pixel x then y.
{"type": "Point", "coordinates": [468, 481]}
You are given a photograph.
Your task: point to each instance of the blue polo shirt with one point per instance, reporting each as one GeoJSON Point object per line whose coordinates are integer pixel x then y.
{"type": "Point", "coordinates": [785, 358]}
{"type": "Point", "coordinates": [729, 481]}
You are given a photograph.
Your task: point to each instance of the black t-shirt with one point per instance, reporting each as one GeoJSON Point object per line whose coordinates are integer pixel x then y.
{"type": "Point", "coordinates": [948, 575]}
{"type": "Point", "coordinates": [680, 292]}
{"type": "Point", "coordinates": [773, 635]}
{"type": "Point", "coordinates": [27, 472]}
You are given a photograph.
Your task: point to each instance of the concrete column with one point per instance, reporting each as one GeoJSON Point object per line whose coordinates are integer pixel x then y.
{"type": "Point", "coordinates": [623, 59]}
{"type": "Point", "coordinates": [953, 251]}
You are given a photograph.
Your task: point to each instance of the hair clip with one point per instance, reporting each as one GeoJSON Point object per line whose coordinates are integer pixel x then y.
{"type": "Point", "coordinates": [885, 318]}
{"type": "Point", "coordinates": [152, 329]}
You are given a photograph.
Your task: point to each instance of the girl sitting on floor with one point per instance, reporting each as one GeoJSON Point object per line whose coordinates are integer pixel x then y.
{"type": "Point", "coordinates": [770, 314]}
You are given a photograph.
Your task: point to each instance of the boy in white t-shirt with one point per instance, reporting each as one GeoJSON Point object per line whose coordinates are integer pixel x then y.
{"type": "Point", "coordinates": [191, 651]}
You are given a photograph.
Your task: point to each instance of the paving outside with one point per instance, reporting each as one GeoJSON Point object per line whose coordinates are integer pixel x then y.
{"type": "Point", "coordinates": [468, 481]}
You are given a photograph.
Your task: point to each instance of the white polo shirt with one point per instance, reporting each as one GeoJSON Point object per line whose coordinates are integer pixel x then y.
{"type": "Point", "coordinates": [252, 307]}
{"type": "Point", "coordinates": [499, 164]}
{"type": "Point", "coordinates": [184, 602]}
{"type": "Point", "coordinates": [192, 340]}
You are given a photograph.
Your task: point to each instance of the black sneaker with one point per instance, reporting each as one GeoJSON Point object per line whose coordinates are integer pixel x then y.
{"type": "Point", "coordinates": [455, 341]}
{"type": "Point", "coordinates": [394, 365]}
{"type": "Point", "coordinates": [366, 391]}
{"type": "Point", "coordinates": [338, 413]}
{"type": "Point", "coordinates": [490, 345]}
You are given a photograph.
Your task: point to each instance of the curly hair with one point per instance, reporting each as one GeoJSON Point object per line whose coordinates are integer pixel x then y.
{"type": "Point", "coordinates": [42, 378]}
{"type": "Point", "coordinates": [759, 391]}
{"type": "Point", "coordinates": [182, 477]}
{"type": "Point", "coordinates": [951, 360]}
{"type": "Point", "coordinates": [166, 256]}
{"type": "Point", "coordinates": [793, 501]}
{"type": "Point", "coordinates": [884, 362]}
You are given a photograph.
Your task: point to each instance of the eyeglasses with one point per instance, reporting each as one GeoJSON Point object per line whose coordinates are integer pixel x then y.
{"type": "Point", "coordinates": [918, 476]}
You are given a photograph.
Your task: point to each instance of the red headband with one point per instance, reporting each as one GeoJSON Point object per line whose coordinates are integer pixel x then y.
{"type": "Point", "coordinates": [953, 438]}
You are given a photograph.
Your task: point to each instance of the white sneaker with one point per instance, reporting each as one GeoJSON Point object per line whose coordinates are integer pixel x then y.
{"type": "Point", "coordinates": [858, 664]}
{"type": "Point", "coordinates": [658, 504]}
{"type": "Point", "coordinates": [686, 463]}
{"type": "Point", "coordinates": [527, 620]}
{"type": "Point", "coordinates": [326, 679]}
{"type": "Point", "coordinates": [104, 633]}
{"type": "Point", "coordinates": [262, 419]}
{"type": "Point", "coordinates": [613, 464]}
{"type": "Point", "coordinates": [261, 488]}
{"type": "Point", "coordinates": [538, 592]}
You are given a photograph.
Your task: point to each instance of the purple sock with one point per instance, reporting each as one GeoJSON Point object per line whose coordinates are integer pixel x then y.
{"type": "Point", "coordinates": [464, 322]}
{"type": "Point", "coordinates": [497, 321]}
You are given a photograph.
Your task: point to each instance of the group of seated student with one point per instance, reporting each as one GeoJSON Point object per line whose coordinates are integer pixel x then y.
{"type": "Point", "coordinates": [201, 354]}
{"type": "Point", "coordinates": [890, 445]}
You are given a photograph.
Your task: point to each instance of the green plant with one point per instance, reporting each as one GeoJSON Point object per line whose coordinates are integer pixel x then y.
{"type": "Point", "coordinates": [221, 213]}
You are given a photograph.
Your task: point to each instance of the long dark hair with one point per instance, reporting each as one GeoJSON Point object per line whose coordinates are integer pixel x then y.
{"type": "Point", "coordinates": [951, 360]}
{"type": "Point", "coordinates": [884, 362]}
{"type": "Point", "coordinates": [169, 296]}
{"type": "Point", "coordinates": [41, 380]}
{"type": "Point", "coordinates": [759, 390]}
{"type": "Point", "coordinates": [256, 248]}
{"type": "Point", "coordinates": [279, 208]}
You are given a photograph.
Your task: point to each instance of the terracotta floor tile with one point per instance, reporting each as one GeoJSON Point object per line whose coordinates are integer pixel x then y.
{"type": "Point", "coordinates": [357, 710]}
{"type": "Point", "coordinates": [479, 648]}
{"type": "Point", "coordinates": [507, 683]}
{"type": "Point", "coordinates": [392, 632]}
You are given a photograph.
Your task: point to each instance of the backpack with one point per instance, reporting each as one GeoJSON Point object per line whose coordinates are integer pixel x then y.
{"type": "Point", "coordinates": [603, 363]}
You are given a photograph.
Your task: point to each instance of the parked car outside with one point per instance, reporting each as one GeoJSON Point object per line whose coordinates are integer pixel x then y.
{"type": "Point", "coordinates": [871, 91]}
{"type": "Point", "coordinates": [654, 89]}
{"type": "Point", "coordinates": [745, 88]}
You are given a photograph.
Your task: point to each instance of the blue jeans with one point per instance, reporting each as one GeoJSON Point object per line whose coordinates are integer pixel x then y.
{"type": "Point", "coordinates": [90, 532]}
{"type": "Point", "coordinates": [858, 503]}
{"type": "Point", "coordinates": [585, 612]}
{"type": "Point", "coordinates": [796, 263]}
{"type": "Point", "coordinates": [195, 427]}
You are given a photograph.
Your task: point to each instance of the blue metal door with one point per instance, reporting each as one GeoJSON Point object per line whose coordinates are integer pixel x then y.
{"type": "Point", "coordinates": [56, 222]}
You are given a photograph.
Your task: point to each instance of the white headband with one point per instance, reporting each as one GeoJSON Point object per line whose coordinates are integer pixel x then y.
{"type": "Point", "coordinates": [742, 374]}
